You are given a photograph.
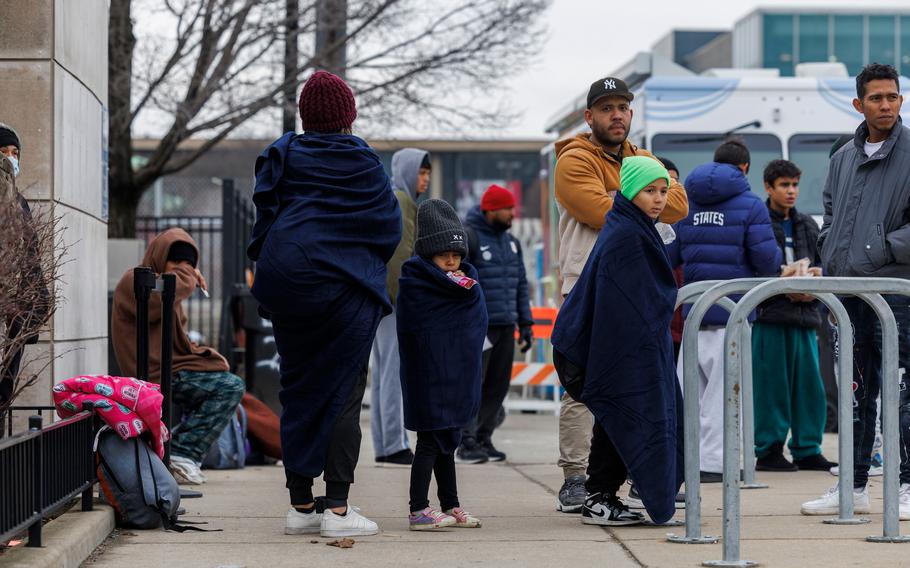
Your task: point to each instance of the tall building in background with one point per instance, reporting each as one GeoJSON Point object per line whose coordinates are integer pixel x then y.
{"type": "Point", "coordinates": [781, 38]}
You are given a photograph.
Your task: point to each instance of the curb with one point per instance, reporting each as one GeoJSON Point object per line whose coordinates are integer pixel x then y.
{"type": "Point", "coordinates": [68, 540]}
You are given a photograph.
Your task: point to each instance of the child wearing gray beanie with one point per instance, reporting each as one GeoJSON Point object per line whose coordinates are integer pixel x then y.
{"type": "Point", "coordinates": [442, 322]}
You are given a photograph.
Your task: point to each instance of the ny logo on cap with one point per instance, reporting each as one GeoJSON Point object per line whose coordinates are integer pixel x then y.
{"type": "Point", "coordinates": [610, 84]}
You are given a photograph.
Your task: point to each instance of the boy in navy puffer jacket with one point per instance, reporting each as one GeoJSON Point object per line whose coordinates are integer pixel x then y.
{"type": "Point", "coordinates": [726, 235]}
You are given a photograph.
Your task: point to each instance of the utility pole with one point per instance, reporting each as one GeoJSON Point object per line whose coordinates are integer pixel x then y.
{"type": "Point", "coordinates": [291, 61]}
{"type": "Point", "coordinates": [331, 28]}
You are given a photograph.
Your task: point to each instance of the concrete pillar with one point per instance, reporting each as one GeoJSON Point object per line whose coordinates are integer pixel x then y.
{"type": "Point", "coordinates": [53, 91]}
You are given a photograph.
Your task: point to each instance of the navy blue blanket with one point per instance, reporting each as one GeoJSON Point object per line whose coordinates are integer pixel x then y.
{"type": "Point", "coordinates": [615, 325]}
{"type": "Point", "coordinates": [441, 328]}
{"type": "Point", "coordinates": [326, 220]}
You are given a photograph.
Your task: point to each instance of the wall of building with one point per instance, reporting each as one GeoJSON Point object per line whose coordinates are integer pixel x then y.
{"type": "Point", "coordinates": [53, 84]}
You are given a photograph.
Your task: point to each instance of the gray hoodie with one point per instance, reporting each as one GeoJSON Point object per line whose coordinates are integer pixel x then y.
{"type": "Point", "coordinates": [405, 167]}
{"type": "Point", "coordinates": [866, 230]}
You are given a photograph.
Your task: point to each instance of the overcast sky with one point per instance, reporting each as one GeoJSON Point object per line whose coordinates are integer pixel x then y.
{"type": "Point", "coordinates": [591, 38]}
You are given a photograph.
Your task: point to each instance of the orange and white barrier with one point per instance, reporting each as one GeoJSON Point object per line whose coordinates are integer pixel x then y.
{"type": "Point", "coordinates": [533, 375]}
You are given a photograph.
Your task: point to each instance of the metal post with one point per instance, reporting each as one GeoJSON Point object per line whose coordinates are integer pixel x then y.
{"type": "Point", "coordinates": [748, 411]}
{"type": "Point", "coordinates": [143, 284]}
{"type": "Point", "coordinates": [691, 406]}
{"type": "Point", "coordinates": [90, 471]}
{"type": "Point", "coordinates": [231, 270]}
{"type": "Point", "coordinates": [168, 295]}
{"type": "Point", "coordinates": [34, 530]}
{"type": "Point", "coordinates": [890, 421]}
{"type": "Point", "coordinates": [821, 288]}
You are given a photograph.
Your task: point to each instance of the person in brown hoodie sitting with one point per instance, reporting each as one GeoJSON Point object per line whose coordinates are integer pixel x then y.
{"type": "Point", "coordinates": [203, 387]}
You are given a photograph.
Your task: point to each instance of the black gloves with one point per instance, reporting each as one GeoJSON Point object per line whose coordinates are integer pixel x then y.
{"type": "Point", "coordinates": [525, 338]}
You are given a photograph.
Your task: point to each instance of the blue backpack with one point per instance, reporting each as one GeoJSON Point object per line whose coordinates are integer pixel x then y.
{"type": "Point", "coordinates": [229, 450]}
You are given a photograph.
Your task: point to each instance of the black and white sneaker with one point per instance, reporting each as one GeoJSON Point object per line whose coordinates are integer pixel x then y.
{"type": "Point", "coordinates": [572, 495]}
{"type": "Point", "coordinates": [634, 499]}
{"type": "Point", "coordinates": [608, 510]}
{"type": "Point", "coordinates": [471, 452]}
{"type": "Point", "coordinates": [492, 453]}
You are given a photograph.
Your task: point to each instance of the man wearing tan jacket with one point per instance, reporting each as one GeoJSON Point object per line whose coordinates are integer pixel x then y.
{"type": "Point", "coordinates": [587, 178]}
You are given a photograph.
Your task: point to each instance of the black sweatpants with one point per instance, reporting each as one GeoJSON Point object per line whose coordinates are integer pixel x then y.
{"type": "Point", "coordinates": [429, 459]}
{"type": "Point", "coordinates": [341, 459]}
{"type": "Point", "coordinates": [867, 382]}
{"type": "Point", "coordinates": [497, 374]}
{"type": "Point", "coordinates": [606, 470]}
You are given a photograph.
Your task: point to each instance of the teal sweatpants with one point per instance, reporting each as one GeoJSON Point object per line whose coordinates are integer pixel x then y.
{"type": "Point", "coordinates": [789, 395]}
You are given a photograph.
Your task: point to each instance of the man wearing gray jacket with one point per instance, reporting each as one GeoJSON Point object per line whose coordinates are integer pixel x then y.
{"type": "Point", "coordinates": [410, 179]}
{"type": "Point", "coordinates": [866, 233]}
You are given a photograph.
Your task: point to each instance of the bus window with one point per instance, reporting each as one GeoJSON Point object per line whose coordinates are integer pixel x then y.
{"type": "Point", "coordinates": [690, 150]}
{"type": "Point", "coordinates": [810, 154]}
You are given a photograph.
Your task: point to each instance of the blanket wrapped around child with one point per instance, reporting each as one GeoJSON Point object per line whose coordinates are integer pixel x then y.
{"type": "Point", "coordinates": [441, 329]}
{"type": "Point", "coordinates": [129, 406]}
{"type": "Point", "coordinates": [615, 325]}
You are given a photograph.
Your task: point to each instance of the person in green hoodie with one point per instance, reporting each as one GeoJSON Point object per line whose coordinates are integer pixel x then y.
{"type": "Point", "coordinates": [410, 179]}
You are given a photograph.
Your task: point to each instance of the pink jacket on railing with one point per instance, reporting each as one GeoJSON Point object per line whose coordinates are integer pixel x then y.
{"type": "Point", "coordinates": [130, 406]}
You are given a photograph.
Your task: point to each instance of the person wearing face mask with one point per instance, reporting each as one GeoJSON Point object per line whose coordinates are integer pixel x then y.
{"type": "Point", "coordinates": [10, 150]}
{"type": "Point", "coordinates": [501, 271]}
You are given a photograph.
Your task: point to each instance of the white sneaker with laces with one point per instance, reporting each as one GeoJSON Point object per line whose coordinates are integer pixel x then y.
{"type": "Point", "coordinates": [829, 503]}
{"type": "Point", "coordinates": [186, 471]}
{"type": "Point", "coordinates": [302, 523]}
{"type": "Point", "coordinates": [351, 523]}
{"type": "Point", "coordinates": [904, 501]}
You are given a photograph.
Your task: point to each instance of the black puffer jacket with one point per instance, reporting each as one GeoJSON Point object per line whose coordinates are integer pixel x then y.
{"type": "Point", "coordinates": [780, 310]}
{"type": "Point", "coordinates": [501, 271]}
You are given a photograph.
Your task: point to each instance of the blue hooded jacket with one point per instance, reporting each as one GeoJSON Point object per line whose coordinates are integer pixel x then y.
{"type": "Point", "coordinates": [727, 233]}
{"type": "Point", "coordinates": [326, 221]}
{"type": "Point", "coordinates": [615, 324]}
{"type": "Point", "coordinates": [501, 271]}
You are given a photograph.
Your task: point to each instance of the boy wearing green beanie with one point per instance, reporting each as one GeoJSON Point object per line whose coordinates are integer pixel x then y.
{"type": "Point", "coordinates": [614, 332]}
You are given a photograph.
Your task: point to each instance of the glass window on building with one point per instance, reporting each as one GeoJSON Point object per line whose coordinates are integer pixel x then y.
{"type": "Point", "coordinates": [813, 39]}
{"type": "Point", "coordinates": [778, 43]}
{"type": "Point", "coordinates": [690, 150]}
{"type": "Point", "coordinates": [848, 42]}
{"type": "Point", "coordinates": [905, 45]}
{"type": "Point", "coordinates": [882, 47]}
{"type": "Point", "coordinates": [810, 153]}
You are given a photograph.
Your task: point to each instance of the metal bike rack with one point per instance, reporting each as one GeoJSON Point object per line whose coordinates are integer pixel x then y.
{"type": "Point", "coordinates": [867, 289]}
{"type": "Point", "coordinates": [698, 291]}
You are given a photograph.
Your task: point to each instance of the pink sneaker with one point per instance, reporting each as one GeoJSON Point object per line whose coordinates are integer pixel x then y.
{"type": "Point", "coordinates": [464, 519]}
{"type": "Point", "coordinates": [429, 520]}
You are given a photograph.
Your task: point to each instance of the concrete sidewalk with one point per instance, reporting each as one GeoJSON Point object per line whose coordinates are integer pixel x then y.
{"type": "Point", "coordinates": [516, 501]}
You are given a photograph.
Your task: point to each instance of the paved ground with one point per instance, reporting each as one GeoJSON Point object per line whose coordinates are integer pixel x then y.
{"type": "Point", "coordinates": [521, 526]}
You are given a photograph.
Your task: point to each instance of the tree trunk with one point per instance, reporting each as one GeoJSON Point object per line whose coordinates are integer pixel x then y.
{"type": "Point", "coordinates": [122, 221]}
{"type": "Point", "coordinates": [123, 191]}
{"type": "Point", "coordinates": [331, 27]}
{"type": "Point", "coordinates": [291, 63]}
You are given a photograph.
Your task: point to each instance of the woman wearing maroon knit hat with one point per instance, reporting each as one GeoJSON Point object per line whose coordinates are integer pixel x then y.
{"type": "Point", "coordinates": [327, 223]}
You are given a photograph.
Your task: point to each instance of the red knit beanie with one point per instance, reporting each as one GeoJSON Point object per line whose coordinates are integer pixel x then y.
{"type": "Point", "coordinates": [326, 103]}
{"type": "Point", "coordinates": [496, 197]}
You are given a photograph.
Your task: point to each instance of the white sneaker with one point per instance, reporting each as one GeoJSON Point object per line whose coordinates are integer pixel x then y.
{"type": "Point", "coordinates": [874, 471]}
{"type": "Point", "coordinates": [186, 471]}
{"type": "Point", "coordinates": [302, 523]}
{"type": "Point", "coordinates": [829, 504]}
{"type": "Point", "coordinates": [351, 524]}
{"type": "Point", "coordinates": [904, 500]}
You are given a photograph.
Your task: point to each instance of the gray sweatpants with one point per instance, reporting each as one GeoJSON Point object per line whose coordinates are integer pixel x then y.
{"type": "Point", "coordinates": [386, 409]}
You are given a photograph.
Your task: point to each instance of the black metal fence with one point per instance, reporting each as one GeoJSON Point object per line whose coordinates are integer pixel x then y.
{"type": "Point", "coordinates": [43, 469]}
{"type": "Point", "coordinates": [222, 241]}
